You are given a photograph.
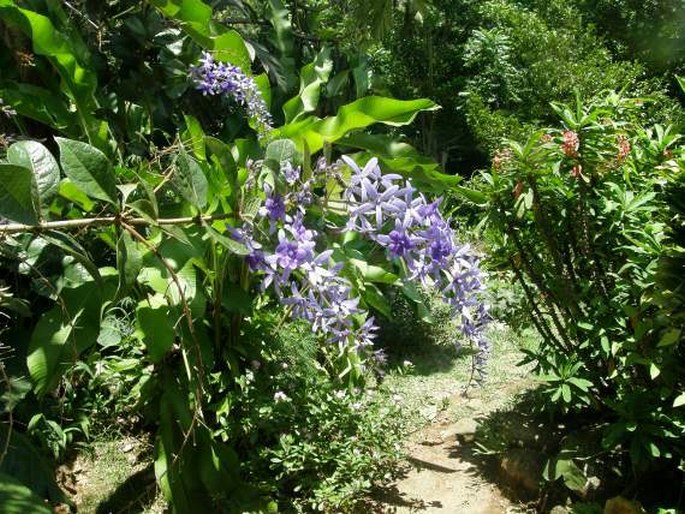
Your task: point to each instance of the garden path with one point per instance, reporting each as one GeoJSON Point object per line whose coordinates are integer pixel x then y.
{"type": "Point", "coordinates": [445, 476]}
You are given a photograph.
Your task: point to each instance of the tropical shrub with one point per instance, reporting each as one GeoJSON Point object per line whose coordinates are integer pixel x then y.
{"type": "Point", "coordinates": [579, 214]}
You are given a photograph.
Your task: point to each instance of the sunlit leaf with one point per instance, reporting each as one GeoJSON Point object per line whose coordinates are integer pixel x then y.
{"type": "Point", "coordinates": [37, 158]}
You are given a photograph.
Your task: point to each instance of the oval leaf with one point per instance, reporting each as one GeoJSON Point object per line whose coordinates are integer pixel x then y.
{"type": "Point", "coordinates": [37, 158]}
{"type": "Point", "coordinates": [88, 168]}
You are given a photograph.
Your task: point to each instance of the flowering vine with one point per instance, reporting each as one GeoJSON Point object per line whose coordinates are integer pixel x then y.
{"type": "Point", "coordinates": [218, 78]}
{"type": "Point", "coordinates": [387, 210]}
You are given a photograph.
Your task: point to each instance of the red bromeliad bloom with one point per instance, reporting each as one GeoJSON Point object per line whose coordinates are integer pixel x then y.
{"type": "Point", "coordinates": [571, 143]}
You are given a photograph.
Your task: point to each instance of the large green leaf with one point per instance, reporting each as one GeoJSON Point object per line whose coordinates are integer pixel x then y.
{"type": "Point", "coordinates": [25, 462]}
{"type": "Point", "coordinates": [195, 17]}
{"type": "Point", "coordinates": [62, 334]}
{"type": "Point", "coordinates": [88, 168]}
{"type": "Point", "coordinates": [362, 113]}
{"type": "Point", "coordinates": [16, 498]}
{"type": "Point", "coordinates": [155, 326]}
{"type": "Point", "coordinates": [37, 158]}
{"type": "Point", "coordinates": [312, 77]}
{"type": "Point", "coordinates": [18, 194]}
{"type": "Point", "coordinates": [79, 79]}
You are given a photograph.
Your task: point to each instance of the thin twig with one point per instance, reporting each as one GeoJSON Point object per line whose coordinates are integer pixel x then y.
{"type": "Point", "coordinates": [15, 228]}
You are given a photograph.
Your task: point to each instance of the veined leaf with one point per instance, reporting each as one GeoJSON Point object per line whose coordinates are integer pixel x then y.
{"type": "Point", "coordinates": [37, 158]}
{"type": "Point", "coordinates": [190, 180]}
{"type": "Point", "coordinates": [18, 194]}
{"type": "Point", "coordinates": [88, 168]}
{"type": "Point", "coordinates": [353, 116]}
{"type": "Point", "coordinates": [39, 104]}
{"type": "Point", "coordinates": [80, 80]}
{"type": "Point", "coordinates": [195, 17]}
{"type": "Point", "coordinates": [72, 247]}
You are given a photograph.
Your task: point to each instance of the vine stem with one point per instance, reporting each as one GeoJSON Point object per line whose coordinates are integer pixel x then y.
{"type": "Point", "coordinates": [15, 228]}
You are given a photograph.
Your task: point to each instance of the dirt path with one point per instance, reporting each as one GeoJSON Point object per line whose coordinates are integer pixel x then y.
{"type": "Point", "coordinates": [444, 476]}
{"type": "Point", "coordinates": [445, 472]}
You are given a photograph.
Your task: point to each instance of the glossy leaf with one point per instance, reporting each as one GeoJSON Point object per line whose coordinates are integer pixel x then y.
{"type": "Point", "coordinates": [195, 17]}
{"type": "Point", "coordinates": [79, 78]}
{"type": "Point", "coordinates": [37, 158]}
{"type": "Point", "coordinates": [18, 194]}
{"type": "Point", "coordinates": [88, 168]}
{"type": "Point", "coordinates": [357, 115]}
{"type": "Point", "coordinates": [313, 76]}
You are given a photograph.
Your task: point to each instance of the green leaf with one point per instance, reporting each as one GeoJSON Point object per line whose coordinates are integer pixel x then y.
{"type": "Point", "coordinates": [26, 462]}
{"type": "Point", "coordinates": [18, 194]}
{"type": "Point", "coordinates": [62, 334]}
{"type": "Point", "coordinates": [72, 247]}
{"type": "Point", "coordinates": [232, 246]}
{"type": "Point", "coordinates": [155, 326]}
{"type": "Point", "coordinates": [679, 401]}
{"type": "Point", "coordinates": [129, 261]}
{"type": "Point", "coordinates": [353, 116]}
{"type": "Point", "coordinates": [312, 77]}
{"type": "Point", "coordinates": [670, 337]}
{"type": "Point", "coordinates": [78, 79]}
{"type": "Point", "coordinates": [195, 18]}
{"type": "Point", "coordinates": [279, 151]}
{"type": "Point", "coordinates": [654, 371]}
{"type": "Point", "coordinates": [16, 498]}
{"type": "Point", "coordinates": [196, 136]}
{"type": "Point", "coordinates": [38, 104]}
{"type": "Point", "coordinates": [190, 180]}
{"type": "Point", "coordinates": [373, 273]}
{"type": "Point", "coordinates": [375, 299]}
{"type": "Point", "coordinates": [37, 158]}
{"type": "Point", "coordinates": [69, 191]}
{"type": "Point", "coordinates": [681, 82]}
{"type": "Point", "coordinates": [88, 169]}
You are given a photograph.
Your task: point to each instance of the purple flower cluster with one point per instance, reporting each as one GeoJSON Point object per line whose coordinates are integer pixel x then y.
{"type": "Point", "coordinates": [303, 278]}
{"type": "Point", "coordinates": [384, 208]}
{"type": "Point", "coordinates": [389, 211]}
{"type": "Point", "coordinates": [218, 78]}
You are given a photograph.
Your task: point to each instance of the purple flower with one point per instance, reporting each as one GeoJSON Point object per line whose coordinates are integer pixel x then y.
{"type": "Point", "coordinates": [217, 78]}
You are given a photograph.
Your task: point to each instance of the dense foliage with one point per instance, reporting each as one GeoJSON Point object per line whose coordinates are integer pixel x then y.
{"type": "Point", "coordinates": [580, 214]}
{"type": "Point", "coordinates": [208, 211]}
